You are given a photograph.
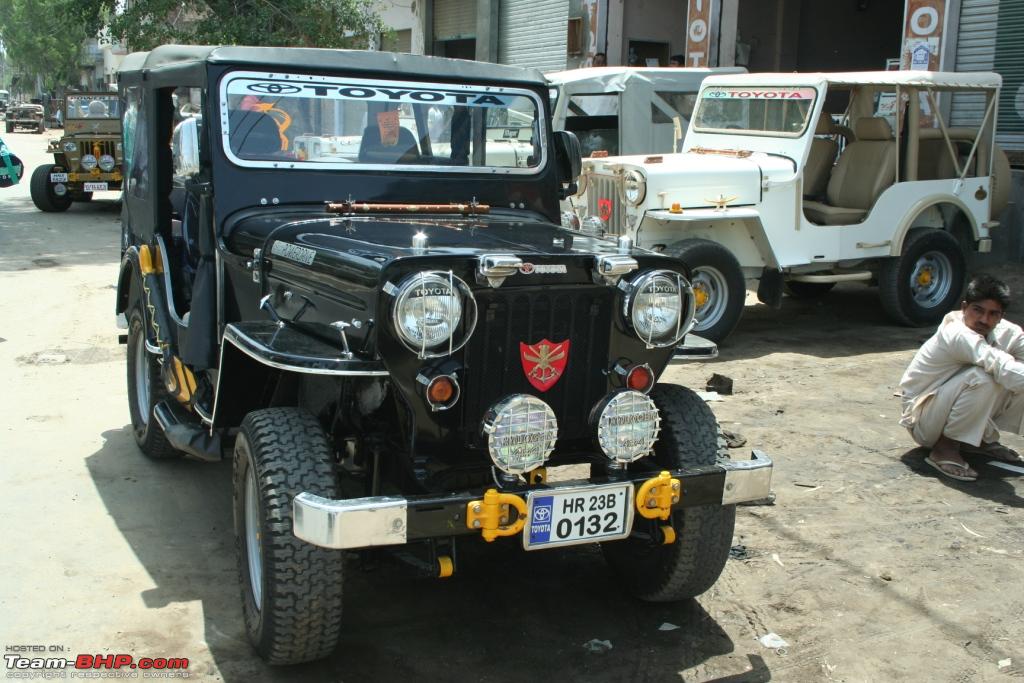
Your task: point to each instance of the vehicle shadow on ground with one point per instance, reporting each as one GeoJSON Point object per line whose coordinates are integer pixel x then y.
{"type": "Point", "coordinates": [848, 321]}
{"type": "Point", "coordinates": [87, 234]}
{"type": "Point", "coordinates": [992, 483]}
{"type": "Point", "coordinates": [505, 615]}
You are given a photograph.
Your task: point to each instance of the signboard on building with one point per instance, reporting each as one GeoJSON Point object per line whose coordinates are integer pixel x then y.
{"type": "Point", "coordinates": [698, 33]}
{"type": "Point", "coordinates": [922, 34]}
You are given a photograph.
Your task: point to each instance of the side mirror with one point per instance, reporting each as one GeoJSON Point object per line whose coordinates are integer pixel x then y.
{"type": "Point", "coordinates": [185, 148]}
{"type": "Point", "coordinates": [569, 159]}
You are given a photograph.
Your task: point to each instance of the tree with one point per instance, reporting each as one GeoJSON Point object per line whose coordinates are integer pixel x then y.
{"type": "Point", "coordinates": [45, 37]}
{"type": "Point", "coordinates": [144, 24]}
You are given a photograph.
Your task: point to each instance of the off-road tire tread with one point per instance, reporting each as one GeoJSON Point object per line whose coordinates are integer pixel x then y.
{"type": "Point", "coordinates": [689, 435]}
{"type": "Point", "coordinates": [302, 596]}
{"type": "Point", "coordinates": [699, 252]}
{"type": "Point", "coordinates": [890, 278]}
{"type": "Point", "coordinates": [153, 442]}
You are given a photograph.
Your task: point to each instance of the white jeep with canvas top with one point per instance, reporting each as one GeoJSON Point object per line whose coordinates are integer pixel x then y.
{"type": "Point", "coordinates": [799, 181]}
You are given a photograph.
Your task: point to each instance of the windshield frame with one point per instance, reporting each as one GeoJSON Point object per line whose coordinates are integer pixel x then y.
{"type": "Point", "coordinates": [749, 132]}
{"type": "Point", "coordinates": [107, 97]}
{"type": "Point", "coordinates": [340, 80]}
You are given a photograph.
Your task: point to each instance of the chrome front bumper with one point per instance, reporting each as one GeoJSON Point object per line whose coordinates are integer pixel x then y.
{"type": "Point", "coordinates": [388, 520]}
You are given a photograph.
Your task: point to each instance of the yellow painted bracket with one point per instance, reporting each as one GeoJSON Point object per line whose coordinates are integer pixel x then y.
{"type": "Point", "coordinates": [149, 260]}
{"type": "Point", "coordinates": [537, 476]}
{"type": "Point", "coordinates": [491, 514]}
{"type": "Point", "coordinates": [655, 498]}
{"type": "Point", "coordinates": [180, 382]}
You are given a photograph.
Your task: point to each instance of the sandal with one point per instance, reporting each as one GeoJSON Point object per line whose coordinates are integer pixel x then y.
{"type": "Point", "coordinates": [963, 467]}
{"type": "Point", "coordinates": [993, 450]}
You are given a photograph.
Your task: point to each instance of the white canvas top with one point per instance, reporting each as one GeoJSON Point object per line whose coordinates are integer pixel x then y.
{"type": "Point", "coordinates": [924, 79]}
{"type": "Point", "coordinates": [616, 78]}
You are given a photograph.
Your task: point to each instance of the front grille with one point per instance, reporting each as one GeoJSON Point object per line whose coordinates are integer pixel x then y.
{"type": "Point", "coordinates": [606, 188]}
{"type": "Point", "coordinates": [106, 147]}
{"type": "Point", "coordinates": [508, 317]}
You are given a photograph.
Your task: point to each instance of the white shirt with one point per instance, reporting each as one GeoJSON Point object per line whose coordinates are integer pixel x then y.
{"type": "Point", "coordinates": [955, 346]}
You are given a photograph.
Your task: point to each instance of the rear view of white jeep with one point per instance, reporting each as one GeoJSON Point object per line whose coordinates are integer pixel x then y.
{"type": "Point", "coordinates": [801, 181]}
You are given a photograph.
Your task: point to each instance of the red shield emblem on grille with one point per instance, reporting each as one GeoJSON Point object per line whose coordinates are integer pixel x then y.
{"type": "Point", "coordinates": [544, 362]}
{"type": "Point", "coordinates": [604, 208]}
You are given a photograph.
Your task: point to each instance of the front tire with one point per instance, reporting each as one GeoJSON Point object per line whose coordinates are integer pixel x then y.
{"type": "Point", "coordinates": [718, 286]}
{"type": "Point", "coordinates": [291, 590]}
{"type": "Point", "coordinates": [42, 192]}
{"type": "Point", "coordinates": [145, 390]}
{"type": "Point", "coordinates": [691, 565]}
{"type": "Point", "coordinates": [925, 282]}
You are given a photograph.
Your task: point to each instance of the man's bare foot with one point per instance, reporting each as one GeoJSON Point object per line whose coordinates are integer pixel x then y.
{"type": "Point", "coordinates": [945, 457]}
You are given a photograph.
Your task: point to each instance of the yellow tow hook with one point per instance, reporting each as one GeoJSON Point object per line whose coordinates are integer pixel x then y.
{"type": "Point", "coordinates": [491, 514]}
{"type": "Point", "coordinates": [655, 498]}
{"type": "Point", "coordinates": [445, 566]}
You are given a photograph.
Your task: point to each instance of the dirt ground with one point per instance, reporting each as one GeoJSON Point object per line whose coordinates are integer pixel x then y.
{"type": "Point", "coordinates": [869, 566]}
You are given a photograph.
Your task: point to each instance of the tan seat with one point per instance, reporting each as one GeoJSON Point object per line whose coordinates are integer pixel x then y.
{"type": "Point", "coordinates": [866, 167]}
{"type": "Point", "coordinates": [821, 158]}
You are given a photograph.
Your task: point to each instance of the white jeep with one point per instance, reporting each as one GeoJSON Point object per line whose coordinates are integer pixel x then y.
{"type": "Point", "coordinates": [798, 181]}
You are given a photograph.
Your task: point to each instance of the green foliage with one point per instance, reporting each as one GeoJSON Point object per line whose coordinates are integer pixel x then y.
{"type": "Point", "coordinates": [46, 37]}
{"type": "Point", "coordinates": [307, 23]}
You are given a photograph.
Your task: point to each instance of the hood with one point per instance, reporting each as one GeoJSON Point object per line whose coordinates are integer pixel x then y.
{"type": "Point", "coordinates": [696, 179]}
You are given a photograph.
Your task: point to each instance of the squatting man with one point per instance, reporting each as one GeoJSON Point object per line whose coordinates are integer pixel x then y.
{"type": "Point", "coordinates": [967, 382]}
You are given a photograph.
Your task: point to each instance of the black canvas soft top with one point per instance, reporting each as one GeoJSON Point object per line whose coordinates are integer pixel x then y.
{"type": "Point", "coordinates": [167, 58]}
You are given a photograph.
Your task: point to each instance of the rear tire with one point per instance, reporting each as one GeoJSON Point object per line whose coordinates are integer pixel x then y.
{"type": "Point", "coordinates": [808, 290]}
{"type": "Point", "coordinates": [718, 284]}
{"type": "Point", "coordinates": [925, 282]}
{"type": "Point", "coordinates": [691, 565]}
{"type": "Point", "coordinates": [42, 191]}
{"type": "Point", "coordinates": [145, 390]}
{"type": "Point", "coordinates": [291, 590]}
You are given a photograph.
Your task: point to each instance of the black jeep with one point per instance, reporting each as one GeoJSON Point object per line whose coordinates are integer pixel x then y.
{"type": "Point", "coordinates": [350, 264]}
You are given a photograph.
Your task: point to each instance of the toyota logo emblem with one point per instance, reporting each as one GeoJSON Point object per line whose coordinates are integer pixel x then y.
{"type": "Point", "coordinates": [526, 268]}
{"type": "Point", "coordinates": [275, 88]}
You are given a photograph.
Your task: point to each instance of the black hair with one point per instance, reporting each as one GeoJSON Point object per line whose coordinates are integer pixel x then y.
{"type": "Point", "coordinates": [984, 286]}
{"type": "Point", "coordinates": [680, 59]}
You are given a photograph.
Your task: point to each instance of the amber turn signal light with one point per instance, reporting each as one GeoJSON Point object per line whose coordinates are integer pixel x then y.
{"type": "Point", "coordinates": [442, 392]}
{"type": "Point", "coordinates": [640, 378]}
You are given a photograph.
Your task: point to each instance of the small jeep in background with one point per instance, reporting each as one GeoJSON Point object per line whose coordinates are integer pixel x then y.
{"type": "Point", "coordinates": [348, 266]}
{"type": "Point", "coordinates": [25, 115]}
{"type": "Point", "coordinates": [772, 186]}
{"type": "Point", "coordinates": [87, 158]}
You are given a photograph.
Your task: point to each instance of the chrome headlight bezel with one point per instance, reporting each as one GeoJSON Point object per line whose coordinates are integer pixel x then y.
{"type": "Point", "coordinates": [107, 163]}
{"type": "Point", "coordinates": [634, 187]}
{"type": "Point", "coordinates": [87, 162]}
{"type": "Point", "coordinates": [649, 283]}
{"type": "Point", "coordinates": [523, 421]}
{"type": "Point", "coordinates": [632, 415]}
{"type": "Point", "coordinates": [467, 313]}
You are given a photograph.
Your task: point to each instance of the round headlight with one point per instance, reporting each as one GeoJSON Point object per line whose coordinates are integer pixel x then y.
{"type": "Point", "coordinates": [634, 187]}
{"type": "Point", "coordinates": [70, 146]}
{"type": "Point", "coordinates": [88, 162]}
{"type": "Point", "coordinates": [106, 163]}
{"type": "Point", "coordinates": [570, 221]}
{"type": "Point", "coordinates": [660, 307]}
{"type": "Point", "coordinates": [428, 309]}
{"type": "Point", "coordinates": [521, 432]}
{"type": "Point", "coordinates": [628, 426]}
{"type": "Point", "coordinates": [581, 184]}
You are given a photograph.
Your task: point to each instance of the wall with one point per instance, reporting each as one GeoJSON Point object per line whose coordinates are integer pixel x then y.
{"type": "Point", "coordinates": [658, 21]}
{"type": "Point", "coordinates": [837, 36]}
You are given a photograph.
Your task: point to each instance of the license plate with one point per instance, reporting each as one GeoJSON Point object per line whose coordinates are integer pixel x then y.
{"type": "Point", "coordinates": [58, 177]}
{"type": "Point", "coordinates": [578, 515]}
{"type": "Point", "coordinates": [95, 187]}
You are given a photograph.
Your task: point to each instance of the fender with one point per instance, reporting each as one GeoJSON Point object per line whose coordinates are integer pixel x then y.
{"type": "Point", "coordinates": [255, 353]}
{"type": "Point", "coordinates": [919, 207]}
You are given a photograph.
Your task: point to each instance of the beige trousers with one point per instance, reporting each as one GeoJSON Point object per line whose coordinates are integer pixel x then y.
{"type": "Point", "coordinates": [971, 408]}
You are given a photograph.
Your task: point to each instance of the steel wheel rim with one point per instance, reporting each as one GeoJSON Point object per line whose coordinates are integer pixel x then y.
{"type": "Point", "coordinates": [931, 279]}
{"type": "Point", "coordinates": [712, 282]}
{"type": "Point", "coordinates": [253, 544]}
{"type": "Point", "coordinates": [142, 379]}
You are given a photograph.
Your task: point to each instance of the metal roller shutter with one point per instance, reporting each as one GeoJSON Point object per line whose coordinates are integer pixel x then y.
{"type": "Point", "coordinates": [454, 19]}
{"type": "Point", "coordinates": [991, 38]}
{"type": "Point", "coordinates": [533, 33]}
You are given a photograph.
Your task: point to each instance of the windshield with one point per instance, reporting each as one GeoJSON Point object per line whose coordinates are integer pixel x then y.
{"type": "Point", "coordinates": [771, 111]}
{"type": "Point", "coordinates": [303, 121]}
{"type": "Point", "coordinates": [93, 107]}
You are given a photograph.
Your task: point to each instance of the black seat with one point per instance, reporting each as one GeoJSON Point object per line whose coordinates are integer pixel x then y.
{"type": "Point", "coordinates": [373, 151]}
{"type": "Point", "coordinates": [254, 135]}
